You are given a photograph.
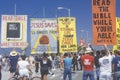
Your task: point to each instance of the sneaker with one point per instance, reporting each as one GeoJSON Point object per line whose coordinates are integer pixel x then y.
{"type": "Point", "coordinates": [53, 75]}
{"type": "Point", "coordinates": [37, 73]}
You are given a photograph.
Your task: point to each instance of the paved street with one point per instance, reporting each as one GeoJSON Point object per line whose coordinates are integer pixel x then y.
{"type": "Point", "coordinates": [58, 75]}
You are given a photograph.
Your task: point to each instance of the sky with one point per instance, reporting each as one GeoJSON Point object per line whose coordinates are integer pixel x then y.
{"type": "Point", "coordinates": [80, 9]}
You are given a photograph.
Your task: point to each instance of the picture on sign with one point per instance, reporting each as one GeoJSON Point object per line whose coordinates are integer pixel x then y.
{"type": "Point", "coordinates": [14, 31]}
{"type": "Point", "coordinates": [44, 37]}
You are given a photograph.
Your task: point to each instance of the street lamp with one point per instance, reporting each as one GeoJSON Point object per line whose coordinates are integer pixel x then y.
{"type": "Point", "coordinates": [68, 9]}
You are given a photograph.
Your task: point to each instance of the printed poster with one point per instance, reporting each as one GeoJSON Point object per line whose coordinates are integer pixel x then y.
{"type": "Point", "coordinates": [14, 31]}
{"type": "Point", "coordinates": [67, 34]}
{"type": "Point", "coordinates": [117, 47]}
{"type": "Point", "coordinates": [43, 35]}
{"type": "Point", "coordinates": [104, 22]}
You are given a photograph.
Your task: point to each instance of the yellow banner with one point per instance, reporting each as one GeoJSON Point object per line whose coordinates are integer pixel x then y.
{"type": "Point", "coordinates": [117, 47]}
{"type": "Point", "coordinates": [67, 34]}
{"type": "Point", "coordinates": [103, 22]}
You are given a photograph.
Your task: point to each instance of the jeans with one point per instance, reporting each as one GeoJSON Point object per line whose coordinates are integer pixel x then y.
{"type": "Point", "coordinates": [97, 73]}
{"type": "Point", "coordinates": [0, 73]}
{"type": "Point", "coordinates": [75, 65]}
{"type": "Point", "coordinates": [67, 71]}
{"type": "Point", "coordinates": [36, 67]}
{"type": "Point", "coordinates": [105, 76]}
{"type": "Point", "coordinates": [53, 64]}
{"type": "Point", "coordinates": [116, 76]}
{"type": "Point", "coordinates": [89, 74]}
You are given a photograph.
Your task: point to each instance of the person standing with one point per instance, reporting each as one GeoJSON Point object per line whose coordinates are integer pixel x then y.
{"type": "Point", "coordinates": [0, 66]}
{"type": "Point", "coordinates": [13, 58]}
{"type": "Point", "coordinates": [97, 65]}
{"type": "Point", "coordinates": [88, 64]}
{"type": "Point", "coordinates": [75, 62]}
{"type": "Point", "coordinates": [53, 61]}
{"type": "Point", "coordinates": [105, 65]}
{"type": "Point", "coordinates": [45, 65]}
{"type": "Point", "coordinates": [80, 62]}
{"type": "Point", "coordinates": [36, 63]}
{"type": "Point", "coordinates": [116, 66]}
{"type": "Point", "coordinates": [67, 67]}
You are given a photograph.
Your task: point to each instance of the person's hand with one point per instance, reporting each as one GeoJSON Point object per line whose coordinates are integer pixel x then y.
{"type": "Point", "coordinates": [105, 46]}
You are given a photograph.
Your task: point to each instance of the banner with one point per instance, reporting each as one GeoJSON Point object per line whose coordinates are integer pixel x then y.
{"type": "Point", "coordinates": [117, 47]}
{"type": "Point", "coordinates": [103, 22]}
{"type": "Point", "coordinates": [67, 34]}
{"type": "Point", "coordinates": [14, 31]}
{"type": "Point", "coordinates": [43, 35]}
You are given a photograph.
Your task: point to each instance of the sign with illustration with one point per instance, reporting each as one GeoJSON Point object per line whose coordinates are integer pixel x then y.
{"type": "Point", "coordinates": [43, 35]}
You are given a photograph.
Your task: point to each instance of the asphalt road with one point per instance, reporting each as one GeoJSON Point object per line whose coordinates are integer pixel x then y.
{"type": "Point", "coordinates": [77, 75]}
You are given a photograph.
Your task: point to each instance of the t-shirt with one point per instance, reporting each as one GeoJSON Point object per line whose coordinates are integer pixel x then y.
{"type": "Point", "coordinates": [88, 62]}
{"type": "Point", "coordinates": [23, 65]}
{"type": "Point", "coordinates": [116, 62]}
{"type": "Point", "coordinates": [23, 71]}
{"type": "Point", "coordinates": [45, 63]}
{"type": "Point", "coordinates": [105, 64]}
{"type": "Point", "coordinates": [67, 62]}
{"type": "Point", "coordinates": [13, 61]}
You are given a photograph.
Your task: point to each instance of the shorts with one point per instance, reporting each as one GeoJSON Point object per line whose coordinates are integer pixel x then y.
{"type": "Point", "coordinates": [44, 71]}
{"type": "Point", "coordinates": [23, 73]}
{"type": "Point", "coordinates": [12, 70]}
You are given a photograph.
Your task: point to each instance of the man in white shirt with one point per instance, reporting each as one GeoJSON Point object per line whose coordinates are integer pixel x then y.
{"type": "Point", "coordinates": [105, 65]}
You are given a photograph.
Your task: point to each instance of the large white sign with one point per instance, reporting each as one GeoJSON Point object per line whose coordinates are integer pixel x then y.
{"type": "Point", "coordinates": [13, 31]}
{"type": "Point", "coordinates": [43, 35]}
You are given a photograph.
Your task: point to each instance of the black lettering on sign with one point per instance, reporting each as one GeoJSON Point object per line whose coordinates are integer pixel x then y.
{"type": "Point", "coordinates": [63, 46]}
{"type": "Point", "coordinates": [103, 9]}
{"type": "Point", "coordinates": [118, 30]}
{"type": "Point", "coordinates": [101, 3]}
{"type": "Point", "coordinates": [118, 35]}
{"type": "Point", "coordinates": [105, 2]}
{"type": "Point", "coordinates": [101, 15]}
{"type": "Point", "coordinates": [102, 22]}
{"type": "Point", "coordinates": [104, 35]}
{"type": "Point", "coordinates": [118, 41]}
{"type": "Point", "coordinates": [118, 47]}
{"type": "Point", "coordinates": [96, 2]}
{"type": "Point", "coordinates": [104, 28]}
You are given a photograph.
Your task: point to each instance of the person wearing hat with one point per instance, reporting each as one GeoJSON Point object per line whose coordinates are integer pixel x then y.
{"type": "Point", "coordinates": [13, 58]}
{"type": "Point", "coordinates": [88, 64]}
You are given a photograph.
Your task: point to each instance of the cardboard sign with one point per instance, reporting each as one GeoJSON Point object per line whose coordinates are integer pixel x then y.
{"type": "Point", "coordinates": [104, 22]}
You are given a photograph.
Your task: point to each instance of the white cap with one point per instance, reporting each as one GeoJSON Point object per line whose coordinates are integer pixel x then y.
{"type": "Point", "coordinates": [88, 50]}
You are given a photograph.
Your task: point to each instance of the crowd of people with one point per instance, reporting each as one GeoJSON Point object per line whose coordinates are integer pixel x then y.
{"type": "Point", "coordinates": [104, 63]}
